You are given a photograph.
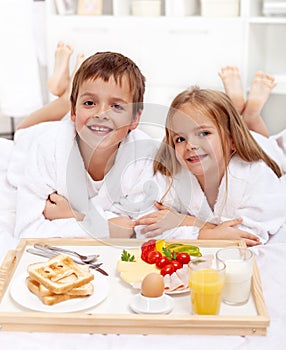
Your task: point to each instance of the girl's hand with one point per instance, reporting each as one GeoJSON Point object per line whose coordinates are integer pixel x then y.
{"type": "Point", "coordinates": [121, 227]}
{"type": "Point", "coordinates": [58, 207]}
{"type": "Point", "coordinates": [226, 230]}
{"type": "Point", "coordinates": [159, 221]}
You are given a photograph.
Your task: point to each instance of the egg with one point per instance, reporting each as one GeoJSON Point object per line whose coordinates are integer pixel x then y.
{"type": "Point", "coordinates": [152, 285]}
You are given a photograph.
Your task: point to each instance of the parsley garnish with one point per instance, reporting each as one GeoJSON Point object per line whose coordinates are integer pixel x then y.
{"type": "Point", "coordinates": [125, 256]}
{"type": "Point", "coordinates": [171, 255]}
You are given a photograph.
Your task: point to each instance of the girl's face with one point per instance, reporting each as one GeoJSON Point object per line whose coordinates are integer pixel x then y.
{"type": "Point", "coordinates": [103, 113]}
{"type": "Point", "coordinates": [198, 144]}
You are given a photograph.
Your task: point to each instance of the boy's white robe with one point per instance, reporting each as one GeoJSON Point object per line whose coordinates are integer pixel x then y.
{"type": "Point", "coordinates": [52, 163]}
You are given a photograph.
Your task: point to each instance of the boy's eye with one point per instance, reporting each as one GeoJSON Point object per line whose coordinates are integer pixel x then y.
{"type": "Point", "coordinates": [88, 103]}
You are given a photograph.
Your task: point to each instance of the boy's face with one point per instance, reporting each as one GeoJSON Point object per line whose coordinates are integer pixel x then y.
{"type": "Point", "coordinates": [103, 113]}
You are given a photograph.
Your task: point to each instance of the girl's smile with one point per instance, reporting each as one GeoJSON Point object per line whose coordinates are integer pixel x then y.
{"type": "Point", "coordinates": [196, 158]}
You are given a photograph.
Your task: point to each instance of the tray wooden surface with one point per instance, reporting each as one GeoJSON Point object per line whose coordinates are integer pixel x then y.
{"type": "Point", "coordinates": [14, 318]}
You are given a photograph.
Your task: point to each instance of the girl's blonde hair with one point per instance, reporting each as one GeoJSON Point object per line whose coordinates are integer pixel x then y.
{"type": "Point", "coordinates": [231, 127]}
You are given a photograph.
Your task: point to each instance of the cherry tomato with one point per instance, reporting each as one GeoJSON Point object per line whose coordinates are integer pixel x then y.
{"type": "Point", "coordinates": [177, 265]}
{"type": "Point", "coordinates": [144, 255]}
{"type": "Point", "coordinates": [161, 262]}
{"type": "Point", "coordinates": [149, 245]}
{"type": "Point", "coordinates": [146, 248]}
{"type": "Point", "coordinates": [153, 256]}
{"type": "Point", "coordinates": [167, 270]}
{"type": "Point", "coordinates": [183, 258]}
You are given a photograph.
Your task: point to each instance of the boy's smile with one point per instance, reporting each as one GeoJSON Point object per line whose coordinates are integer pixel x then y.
{"type": "Point", "coordinates": [99, 129]}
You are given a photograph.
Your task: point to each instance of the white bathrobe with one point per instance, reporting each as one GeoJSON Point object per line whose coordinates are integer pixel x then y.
{"type": "Point", "coordinates": [260, 202]}
{"type": "Point", "coordinates": [52, 163]}
{"type": "Point", "coordinates": [253, 193]}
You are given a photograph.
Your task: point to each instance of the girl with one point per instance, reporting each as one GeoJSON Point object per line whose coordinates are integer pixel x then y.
{"type": "Point", "coordinates": [209, 150]}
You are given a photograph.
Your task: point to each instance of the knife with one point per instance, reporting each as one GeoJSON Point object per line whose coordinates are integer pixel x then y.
{"type": "Point", "coordinates": [50, 254]}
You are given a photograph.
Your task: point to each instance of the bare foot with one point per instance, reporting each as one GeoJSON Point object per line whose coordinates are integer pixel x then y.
{"type": "Point", "coordinates": [59, 80]}
{"type": "Point", "coordinates": [231, 79]}
{"type": "Point", "coordinates": [259, 92]}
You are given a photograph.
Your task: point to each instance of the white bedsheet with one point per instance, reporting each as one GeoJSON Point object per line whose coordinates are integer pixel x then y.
{"type": "Point", "coordinates": [271, 262]}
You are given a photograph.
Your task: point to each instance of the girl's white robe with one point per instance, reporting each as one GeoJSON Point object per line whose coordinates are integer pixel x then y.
{"type": "Point", "coordinates": [250, 191]}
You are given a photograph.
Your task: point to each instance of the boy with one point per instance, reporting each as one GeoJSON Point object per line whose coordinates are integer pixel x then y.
{"type": "Point", "coordinates": [85, 158]}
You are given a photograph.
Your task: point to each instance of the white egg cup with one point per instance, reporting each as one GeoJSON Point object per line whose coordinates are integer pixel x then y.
{"type": "Point", "coordinates": [157, 305]}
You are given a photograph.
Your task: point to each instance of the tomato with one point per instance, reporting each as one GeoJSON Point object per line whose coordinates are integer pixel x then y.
{"type": "Point", "coordinates": [177, 265]}
{"type": "Point", "coordinates": [153, 256]}
{"type": "Point", "coordinates": [167, 270]}
{"type": "Point", "coordinates": [148, 246]}
{"type": "Point", "coordinates": [144, 255]}
{"type": "Point", "coordinates": [161, 262]}
{"type": "Point", "coordinates": [183, 258]}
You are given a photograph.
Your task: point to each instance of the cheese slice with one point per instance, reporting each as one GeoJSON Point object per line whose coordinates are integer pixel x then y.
{"type": "Point", "coordinates": [134, 272]}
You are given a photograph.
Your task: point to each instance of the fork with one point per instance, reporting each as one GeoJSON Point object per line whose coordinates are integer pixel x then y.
{"type": "Point", "coordinates": [49, 254]}
{"type": "Point", "coordinates": [84, 258]}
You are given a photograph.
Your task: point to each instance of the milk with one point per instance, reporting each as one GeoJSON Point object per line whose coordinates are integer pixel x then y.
{"type": "Point", "coordinates": [237, 281]}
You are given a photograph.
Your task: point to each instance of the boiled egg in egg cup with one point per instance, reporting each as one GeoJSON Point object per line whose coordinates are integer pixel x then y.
{"type": "Point", "coordinates": [152, 299]}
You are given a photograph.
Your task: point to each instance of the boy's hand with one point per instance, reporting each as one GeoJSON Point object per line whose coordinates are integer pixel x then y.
{"type": "Point", "coordinates": [227, 231]}
{"type": "Point", "coordinates": [159, 221]}
{"type": "Point", "coordinates": [58, 207]}
{"type": "Point", "coordinates": [121, 227]}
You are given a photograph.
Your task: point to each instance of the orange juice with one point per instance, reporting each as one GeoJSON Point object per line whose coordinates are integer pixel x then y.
{"type": "Point", "coordinates": [206, 289]}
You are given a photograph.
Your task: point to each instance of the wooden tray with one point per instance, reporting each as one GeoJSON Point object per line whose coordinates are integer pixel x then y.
{"type": "Point", "coordinates": [102, 319]}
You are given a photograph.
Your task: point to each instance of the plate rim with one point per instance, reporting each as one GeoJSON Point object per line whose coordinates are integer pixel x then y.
{"type": "Point", "coordinates": [177, 291]}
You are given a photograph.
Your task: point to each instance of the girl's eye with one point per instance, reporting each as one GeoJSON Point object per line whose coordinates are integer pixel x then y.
{"type": "Point", "coordinates": [204, 133]}
{"type": "Point", "coordinates": [88, 103]}
{"type": "Point", "coordinates": [118, 107]}
{"type": "Point", "coordinates": [179, 139]}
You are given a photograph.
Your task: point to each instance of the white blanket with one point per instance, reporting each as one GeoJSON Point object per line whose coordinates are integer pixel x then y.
{"type": "Point", "coordinates": [274, 146]}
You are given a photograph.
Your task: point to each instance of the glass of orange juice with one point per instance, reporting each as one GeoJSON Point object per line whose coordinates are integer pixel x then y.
{"type": "Point", "coordinates": [206, 281]}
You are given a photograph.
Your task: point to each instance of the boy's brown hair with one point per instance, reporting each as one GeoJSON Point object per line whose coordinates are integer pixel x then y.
{"type": "Point", "coordinates": [104, 65]}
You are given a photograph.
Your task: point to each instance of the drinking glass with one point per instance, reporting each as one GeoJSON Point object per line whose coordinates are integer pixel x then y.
{"type": "Point", "coordinates": [238, 274]}
{"type": "Point", "coordinates": [206, 281]}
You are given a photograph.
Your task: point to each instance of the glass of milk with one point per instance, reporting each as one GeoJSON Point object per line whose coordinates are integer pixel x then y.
{"type": "Point", "coordinates": [238, 274]}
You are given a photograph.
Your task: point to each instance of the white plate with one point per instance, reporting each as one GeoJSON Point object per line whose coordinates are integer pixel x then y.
{"type": "Point", "coordinates": [166, 308]}
{"type": "Point", "coordinates": [22, 296]}
{"type": "Point", "coordinates": [177, 291]}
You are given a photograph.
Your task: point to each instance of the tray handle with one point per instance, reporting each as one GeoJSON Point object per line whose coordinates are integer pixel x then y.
{"type": "Point", "coordinates": [6, 270]}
